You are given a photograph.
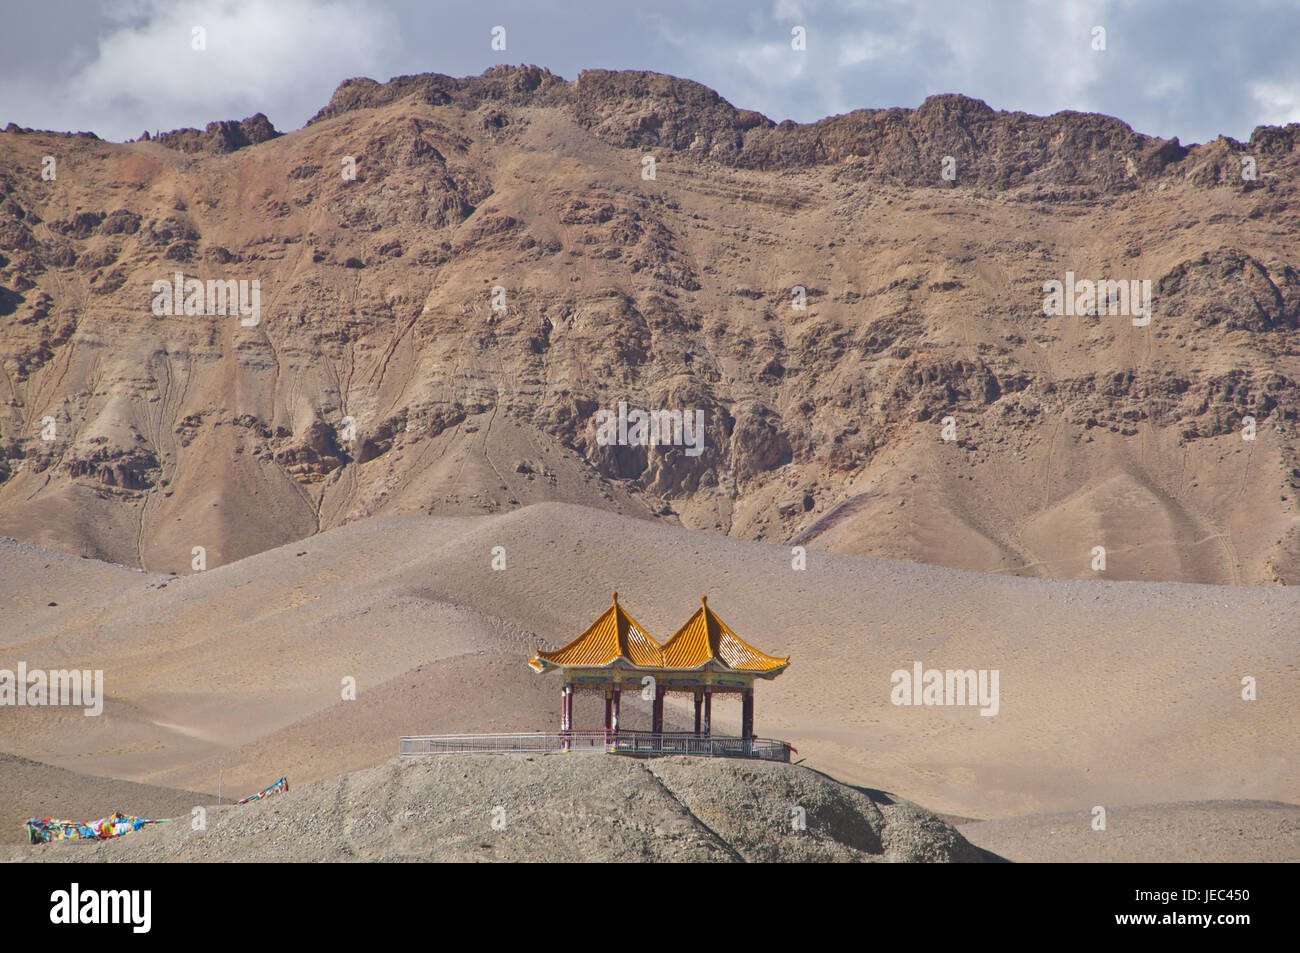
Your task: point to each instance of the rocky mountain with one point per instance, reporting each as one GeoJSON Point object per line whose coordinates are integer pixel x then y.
{"type": "Point", "coordinates": [447, 285]}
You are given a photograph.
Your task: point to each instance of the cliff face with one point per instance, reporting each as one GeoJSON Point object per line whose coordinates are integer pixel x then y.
{"type": "Point", "coordinates": [440, 331]}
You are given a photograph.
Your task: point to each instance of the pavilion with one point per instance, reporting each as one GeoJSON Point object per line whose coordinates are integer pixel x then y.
{"type": "Point", "coordinates": [703, 658]}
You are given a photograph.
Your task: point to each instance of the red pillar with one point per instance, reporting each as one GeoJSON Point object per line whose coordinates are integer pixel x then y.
{"type": "Point", "coordinates": [699, 700]}
{"type": "Point", "coordinates": [708, 711]}
{"type": "Point", "coordinates": [609, 709]}
{"type": "Point", "coordinates": [747, 714]}
{"type": "Point", "coordinates": [657, 716]}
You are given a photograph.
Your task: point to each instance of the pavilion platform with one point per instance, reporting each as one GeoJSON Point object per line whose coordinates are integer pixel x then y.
{"type": "Point", "coordinates": [634, 743]}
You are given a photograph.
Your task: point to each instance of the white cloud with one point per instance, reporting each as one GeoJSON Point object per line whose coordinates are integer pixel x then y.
{"type": "Point", "coordinates": [791, 10]}
{"type": "Point", "coordinates": [863, 46]}
{"type": "Point", "coordinates": [1278, 103]}
{"type": "Point", "coordinates": [290, 52]}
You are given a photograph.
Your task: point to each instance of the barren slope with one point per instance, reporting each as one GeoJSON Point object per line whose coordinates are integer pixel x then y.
{"type": "Point", "coordinates": [923, 302]}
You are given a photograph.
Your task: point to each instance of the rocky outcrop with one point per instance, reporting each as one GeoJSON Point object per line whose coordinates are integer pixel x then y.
{"type": "Point", "coordinates": [315, 453]}
{"type": "Point", "coordinates": [127, 468]}
{"type": "Point", "coordinates": [505, 85]}
{"type": "Point", "coordinates": [1228, 287]}
{"type": "Point", "coordinates": [220, 137]}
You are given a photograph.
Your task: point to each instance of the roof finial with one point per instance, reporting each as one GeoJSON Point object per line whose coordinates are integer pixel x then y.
{"type": "Point", "coordinates": [704, 601]}
{"type": "Point", "coordinates": [614, 596]}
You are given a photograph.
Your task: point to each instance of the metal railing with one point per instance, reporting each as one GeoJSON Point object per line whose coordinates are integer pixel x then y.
{"type": "Point", "coordinates": [613, 742]}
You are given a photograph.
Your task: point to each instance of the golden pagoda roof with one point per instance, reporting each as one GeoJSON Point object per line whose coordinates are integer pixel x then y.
{"type": "Point", "coordinates": [707, 641]}
{"type": "Point", "coordinates": [613, 637]}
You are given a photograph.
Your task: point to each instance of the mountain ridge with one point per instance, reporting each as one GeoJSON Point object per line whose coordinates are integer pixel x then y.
{"type": "Point", "coordinates": [921, 302]}
{"type": "Point", "coordinates": [612, 104]}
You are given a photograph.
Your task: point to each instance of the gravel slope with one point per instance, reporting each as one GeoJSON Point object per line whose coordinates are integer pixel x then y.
{"type": "Point", "coordinates": [575, 807]}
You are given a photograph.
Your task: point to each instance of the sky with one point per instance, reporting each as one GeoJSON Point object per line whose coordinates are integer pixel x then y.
{"type": "Point", "coordinates": [1195, 69]}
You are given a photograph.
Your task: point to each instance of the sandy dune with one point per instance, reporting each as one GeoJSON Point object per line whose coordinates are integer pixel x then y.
{"type": "Point", "coordinates": [1243, 831]}
{"type": "Point", "coordinates": [1110, 693]}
